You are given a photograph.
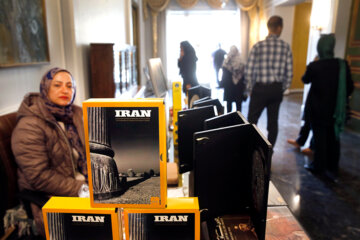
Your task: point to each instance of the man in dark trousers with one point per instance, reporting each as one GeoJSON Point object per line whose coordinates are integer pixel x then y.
{"type": "Point", "coordinates": [268, 74]}
{"type": "Point", "coordinates": [218, 58]}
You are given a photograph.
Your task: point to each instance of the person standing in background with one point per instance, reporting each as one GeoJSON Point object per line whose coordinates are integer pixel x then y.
{"type": "Point", "coordinates": [268, 74]}
{"type": "Point", "coordinates": [233, 79]}
{"type": "Point", "coordinates": [331, 86]}
{"type": "Point", "coordinates": [304, 133]}
{"type": "Point", "coordinates": [218, 60]}
{"type": "Point", "coordinates": [187, 65]}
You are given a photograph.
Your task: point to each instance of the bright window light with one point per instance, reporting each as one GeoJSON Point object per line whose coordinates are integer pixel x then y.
{"type": "Point", "coordinates": [204, 30]}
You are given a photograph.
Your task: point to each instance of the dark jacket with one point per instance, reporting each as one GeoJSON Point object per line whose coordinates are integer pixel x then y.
{"type": "Point", "coordinates": [232, 92]}
{"type": "Point", "coordinates": [42, 151]}
{"type": "Point", "coordinates": [324, 78]}
{"type": "Point", "coordinates": [187, 66]}
{"type": "Point", "coordinates": [218, 58]}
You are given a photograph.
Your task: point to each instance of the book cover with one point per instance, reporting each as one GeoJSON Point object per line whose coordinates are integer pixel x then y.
{"type": "Point", "coordinates": [126, 152]}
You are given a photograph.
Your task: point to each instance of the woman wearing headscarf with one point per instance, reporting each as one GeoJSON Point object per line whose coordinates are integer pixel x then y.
{"type": "Point", "coordinates": [233, 79]}
{"type": "Point", "coordinates": [187, 65]}
{"type": "Point", "coordinates": [331, 86]}
{"type": "Point", "coordinates": [48, 141]}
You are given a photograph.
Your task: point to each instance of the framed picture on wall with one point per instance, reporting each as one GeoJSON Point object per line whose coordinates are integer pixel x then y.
{"type": "Point", "coordinates": [23, 34]}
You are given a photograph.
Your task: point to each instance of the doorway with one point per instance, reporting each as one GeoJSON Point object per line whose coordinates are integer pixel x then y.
{"type": "Point", "coordinates": [205, 30]}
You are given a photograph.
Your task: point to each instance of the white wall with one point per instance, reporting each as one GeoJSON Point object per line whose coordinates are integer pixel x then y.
{"type": "Point", "coordinates": [334, 18]}
{"type": "Point", "coordinates": [93, 21]}
{"type": "Point", "coordinates": [15, 82]}
{"type": "Point", "coordinates": [145, 41]}
{"type": "Point", "coordinates": [72, 26]}
{"type": "Point", "coordinates": [287, 13]}
{"type": "Point", "coordinates": [343, 13]}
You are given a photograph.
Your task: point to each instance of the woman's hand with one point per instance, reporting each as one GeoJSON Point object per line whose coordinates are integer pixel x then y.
{"type": "Point", "coordinates": [84, 191]}
{"type": "Point", "coordinates": [181, 54]}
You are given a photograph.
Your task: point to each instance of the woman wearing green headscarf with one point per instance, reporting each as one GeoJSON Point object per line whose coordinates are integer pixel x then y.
{"type": "Point", "coordinates": [331, 85]}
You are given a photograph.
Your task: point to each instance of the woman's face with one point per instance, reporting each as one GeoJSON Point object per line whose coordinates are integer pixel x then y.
{"type": "Point", "coordinates": [182, 53]}
{"type": "Point", "coordinates": [61, 89]}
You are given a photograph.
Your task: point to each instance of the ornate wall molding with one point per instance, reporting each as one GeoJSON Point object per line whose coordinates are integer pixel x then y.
{"type": "Point", "coordinates": [217, 4]}
{"type": "Point", "coordinates": [186, 4]}
{"type": "Point", "coordinates": [354, 28]}
{"type": "Point", "coordinates": [158, 5]}
{"type": "Point", "coordinates": [246, 5]}
{"type": "Point", "coordinates": [155, 35]}
{"type": "Point", "coordinates": [354, 63]}
{"type": "Point", "coordinates": [145, 10]}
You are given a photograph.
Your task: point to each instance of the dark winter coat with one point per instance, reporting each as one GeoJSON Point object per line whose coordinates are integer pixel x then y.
{"type": "Point", "coordinates": [324, 78]}
{"type": "Point", "coordinates": [42, 151]}
{"type": "Point", "coordinates": [232, 92]}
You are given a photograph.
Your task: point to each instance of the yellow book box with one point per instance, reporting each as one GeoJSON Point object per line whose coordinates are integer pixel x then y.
{"type": "Point", "coordinates": [74, 218]}
{"type": "Point", "coordinates": [180, 220]}
{"type": "Point", "coordinates": [126, 152]}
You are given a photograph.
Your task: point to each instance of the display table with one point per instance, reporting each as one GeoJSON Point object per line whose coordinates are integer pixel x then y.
{"type": "Point", "coordinates": [281, 223]}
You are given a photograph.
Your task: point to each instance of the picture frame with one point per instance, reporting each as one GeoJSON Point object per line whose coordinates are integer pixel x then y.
{"type": "Point", "coordinates": [23, 33]}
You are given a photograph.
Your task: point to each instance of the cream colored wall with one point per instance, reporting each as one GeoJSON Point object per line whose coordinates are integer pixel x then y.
{"type": "Point", "coordinates": [334, 19]}
{"type": "Point", "coordinates": [93, 21]}
{"type": "Point", "coordinates": [343, 13]}
{"type": "Point", "coordinates": [145, 40]}
{"type": "Point", "coordinates": [300, 43]}
{"type": "Point", "coordinates": [71, 25]}
{"type": "Point", "coordinates": [17, 81]}
{"type": "Point", "coordinates": [287, 13]}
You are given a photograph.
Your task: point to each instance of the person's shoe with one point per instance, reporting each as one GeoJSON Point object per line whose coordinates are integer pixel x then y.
{"type": "Point", "coordinates": [293, 142]}
{"type": "Point", "coordinates": [310, 167]}
{"type": "Point", "coordinates": [331, 177]}
{"type": "Point", "coordinates": [307, 151]}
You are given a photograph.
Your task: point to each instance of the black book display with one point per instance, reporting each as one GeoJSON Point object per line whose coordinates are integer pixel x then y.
{"type": "Point", "coordinates": [202, 99]}
{"type": "Point", "coordinates": [189, 122]}
{"type": "Point", "coordinates": [231, 180]}
{"type": "Point", "coordinates": [209, 102]}
{"type": "Point", "coordinates": [196, 93]}
{"type": "Point", "coordinates": [228, 119]}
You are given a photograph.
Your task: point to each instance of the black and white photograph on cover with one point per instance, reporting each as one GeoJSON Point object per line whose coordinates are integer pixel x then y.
{"type": "Point", "coordinates": [124, 154]}
{"type": "Point", "coordinates": [67, 226]}
{"type": "Point", "coordinates": [147, 226]}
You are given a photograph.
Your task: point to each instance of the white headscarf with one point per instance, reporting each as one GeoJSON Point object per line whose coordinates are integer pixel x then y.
{"type": "Point", "coordinates": [234, 65]}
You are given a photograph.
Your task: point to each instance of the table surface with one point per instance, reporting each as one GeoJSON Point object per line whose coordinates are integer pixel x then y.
{"type": "Point", "coordinates": [280, 223]}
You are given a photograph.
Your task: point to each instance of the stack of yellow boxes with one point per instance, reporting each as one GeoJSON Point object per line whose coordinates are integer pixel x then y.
{"type": "Point", "coordinates": [126, 153]}
{"type": "Point", "coordinates": [177, 106]}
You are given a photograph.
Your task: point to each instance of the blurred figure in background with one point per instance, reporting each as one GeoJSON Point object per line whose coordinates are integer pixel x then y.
{"type": "Point", "coordinates": [218, 60]}
{"type": "Point", "coordinates": [233, 79]}
{"type": "Point", "coordinates": [187, 65]}
{"type": "Point", "coordinates": [331, 85]}
{"type": "Point", "coordinates": [304, 133]}
{"type": "Point", "coordinates": [269, 73]}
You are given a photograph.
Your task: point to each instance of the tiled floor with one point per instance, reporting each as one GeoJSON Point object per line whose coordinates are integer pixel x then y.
{"type": "Point", "coordinates": [325, 210]}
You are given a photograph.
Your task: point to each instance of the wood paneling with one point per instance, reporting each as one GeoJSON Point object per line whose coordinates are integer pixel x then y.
{"type": "Point", "coordinates": [353, 57]}
{"type": "Point", "coordinates": [300, 42]}
{"type": "Point", "coordinates": [113, 70]}
{"type": "Point", "coordinates": [102, 70]}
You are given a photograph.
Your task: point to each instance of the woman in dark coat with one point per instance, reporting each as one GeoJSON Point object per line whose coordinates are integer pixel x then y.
{"type": "Point", "coordinates": [233, 79]}
{"type": "Point", "coordinates": [187, 65]}
{"type": "Point", "coordinates": [331, 85]}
